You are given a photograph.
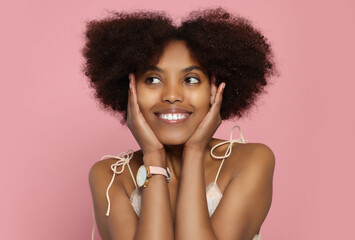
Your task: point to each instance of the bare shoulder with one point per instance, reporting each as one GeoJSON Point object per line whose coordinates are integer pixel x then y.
{"type": "Point", "coordinates": [120, 211]}
{"type": "Point", "coordinates": [101, 172]}
{"type": "Point", "coordinates": [253, 157]}
{"type": "Point", "coordinates": [100, 176]}
{"type": "Point", "coordinates": [245, 156]}
{"type": "Point", "coordinates": [248, 195]}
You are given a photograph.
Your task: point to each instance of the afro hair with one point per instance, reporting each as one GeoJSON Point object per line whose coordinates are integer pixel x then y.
{"type": "Point", "coordinates": [228, 46]}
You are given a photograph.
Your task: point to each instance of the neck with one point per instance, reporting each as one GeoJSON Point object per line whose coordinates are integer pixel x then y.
{"type": "Point", "coordinates": [173, 154]}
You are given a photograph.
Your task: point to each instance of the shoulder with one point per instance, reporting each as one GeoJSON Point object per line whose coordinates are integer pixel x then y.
{"type": "Point", "coordinates": [260, 154]}
{"type": "Point", "coordinates": [120, 211]}
{"type": "Point", "coordinates": [248, 195]}
{"type": "Point", "coordinates": [246, 155]}
{"type": "Point", "coordinates": [246, 159]}
{"type": "Point", "coordinates": [254, 174]}
{"type": "Point", "coordinates": [100, 173]}
{"type": "Point", "coordinates": [253, 157]}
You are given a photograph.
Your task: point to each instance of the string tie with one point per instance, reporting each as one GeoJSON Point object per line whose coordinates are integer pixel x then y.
{"type": "Point", "coordinates": [124, 159]}
{"type": "Point", "coordinates": [229, 149]}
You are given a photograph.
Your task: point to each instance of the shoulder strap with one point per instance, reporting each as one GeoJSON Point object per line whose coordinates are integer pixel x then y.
{"type": "Point", "coordinates": [124, 159]}
{"type": "Point", "coordinates": [219, 169]}
{"type": "Point", "coordinates": [229, 149]}
{"type": "Point", "coordinates": [93, 227]}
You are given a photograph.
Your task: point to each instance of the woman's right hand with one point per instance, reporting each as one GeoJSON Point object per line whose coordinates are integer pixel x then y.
{"type": "Point", "coordinates": [140, 129]}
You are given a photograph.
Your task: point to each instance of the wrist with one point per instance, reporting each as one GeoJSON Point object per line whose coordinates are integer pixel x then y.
{"type": "Point", "coordinates": [192, 154]}
{"type": "Point", "coordinates": [194, 149]}
{"type": "Point", "coordinates": [145, 173]}
{"type": "Point", "coordinates": [155, 159]}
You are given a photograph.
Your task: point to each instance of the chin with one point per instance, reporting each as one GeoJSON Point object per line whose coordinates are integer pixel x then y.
{"type": "Point", "coordinates": [173, 139]}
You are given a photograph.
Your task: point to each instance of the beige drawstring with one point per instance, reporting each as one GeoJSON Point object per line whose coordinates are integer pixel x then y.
{"type": "Point", "coordinates": [229, 149]}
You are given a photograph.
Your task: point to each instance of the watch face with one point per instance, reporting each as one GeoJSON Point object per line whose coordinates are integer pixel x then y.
{"type": "Point", "coordinates": [141, 175]}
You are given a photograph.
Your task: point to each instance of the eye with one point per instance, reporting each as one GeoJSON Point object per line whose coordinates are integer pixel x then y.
{"type": "Point", "coordinates": [192, 80]}
{"type": "Point", "coordinates": [152, 80]}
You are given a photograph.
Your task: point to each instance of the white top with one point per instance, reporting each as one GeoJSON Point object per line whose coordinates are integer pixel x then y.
{"type": "Point", "coordinates": [213, 193]}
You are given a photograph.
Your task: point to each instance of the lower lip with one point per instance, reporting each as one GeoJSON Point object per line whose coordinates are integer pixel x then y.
{"type": "Point", "coordinates": [174, 121]}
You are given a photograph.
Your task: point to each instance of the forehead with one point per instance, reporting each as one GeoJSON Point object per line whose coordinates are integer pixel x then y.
{"type": "Point", "coordinates": [176, 54]}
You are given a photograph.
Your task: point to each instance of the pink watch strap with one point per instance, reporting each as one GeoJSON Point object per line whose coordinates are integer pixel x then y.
{"type": "Point", "coordinates": [162, 171]}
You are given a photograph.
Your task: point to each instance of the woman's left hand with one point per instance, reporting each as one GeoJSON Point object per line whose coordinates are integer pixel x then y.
{"type": "Point", "coordinates": [208, 126]}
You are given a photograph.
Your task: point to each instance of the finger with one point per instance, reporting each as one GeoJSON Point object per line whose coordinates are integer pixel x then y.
{"type": "Point", "coordinates": [213, 89]}
{"type": "Point", "coordinates": [129, 105]}
{"type": "Point", "coordinates": [218, 99]}
{"type": "Point", "coordinates": [215, 109]}
{"type": "Point", "coordinates": [214, 112]}
{"type": "Point", "coordinates": [135, 106]}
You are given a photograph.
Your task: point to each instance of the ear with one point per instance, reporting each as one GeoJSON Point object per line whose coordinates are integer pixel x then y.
{"type": "Point", "coordinates": [213, 89]}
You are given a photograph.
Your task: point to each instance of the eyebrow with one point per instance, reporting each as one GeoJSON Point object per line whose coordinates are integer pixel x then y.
{"type": "Point", "coordinates": [188, 69]}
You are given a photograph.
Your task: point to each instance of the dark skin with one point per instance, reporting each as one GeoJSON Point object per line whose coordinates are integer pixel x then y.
{"type": "Point", "coordinates": [178, 210]}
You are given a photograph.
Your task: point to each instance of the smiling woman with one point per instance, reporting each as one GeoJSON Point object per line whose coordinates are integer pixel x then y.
{"type": "Point", "coordinates": [173, 90]}
{"type": "Point", "coordinates": [175, 87]}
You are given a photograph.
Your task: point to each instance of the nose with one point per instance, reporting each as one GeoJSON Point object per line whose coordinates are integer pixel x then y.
{"type": "Point", "coordinates": [172, 92]}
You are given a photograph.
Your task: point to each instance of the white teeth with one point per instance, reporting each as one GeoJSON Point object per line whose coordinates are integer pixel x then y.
{"type": "Point", "coordinates": [174, 116]}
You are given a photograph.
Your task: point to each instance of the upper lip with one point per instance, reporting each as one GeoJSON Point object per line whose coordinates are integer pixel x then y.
{"type": "Point", "coordinates": [172, 110]}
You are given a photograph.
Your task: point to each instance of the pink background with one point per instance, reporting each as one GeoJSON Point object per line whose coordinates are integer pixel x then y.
{"type": "Point", "coordinates": [52, 131]}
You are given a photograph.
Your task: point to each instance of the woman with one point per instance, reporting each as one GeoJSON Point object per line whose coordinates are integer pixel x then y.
{"type": "Point", "coordinates": [168, 82]}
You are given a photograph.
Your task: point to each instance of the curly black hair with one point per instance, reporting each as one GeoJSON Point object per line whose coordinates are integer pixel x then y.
{"type": "Point", "coordinates": [228, 46]}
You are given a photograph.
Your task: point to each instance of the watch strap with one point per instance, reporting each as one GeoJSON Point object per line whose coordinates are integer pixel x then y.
{"type": "Point", "coordinates": [159, 170]}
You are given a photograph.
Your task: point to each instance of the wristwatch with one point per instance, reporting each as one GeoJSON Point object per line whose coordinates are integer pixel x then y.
{"type": "Point", "coordinates": [146, 172]}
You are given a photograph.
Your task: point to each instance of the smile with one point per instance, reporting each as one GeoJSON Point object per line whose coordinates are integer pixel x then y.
{"type": "Point", "coordinates": [173, 117]}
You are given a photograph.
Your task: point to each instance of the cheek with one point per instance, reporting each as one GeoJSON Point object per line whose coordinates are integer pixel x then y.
{"type": "Point", "coordinates": [200, 100]}
{"type": "Point", "coordinates": [146, 99]}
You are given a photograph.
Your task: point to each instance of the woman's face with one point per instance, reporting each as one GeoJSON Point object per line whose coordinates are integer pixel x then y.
{"type": "Point", "coordinates": [174, 95]}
